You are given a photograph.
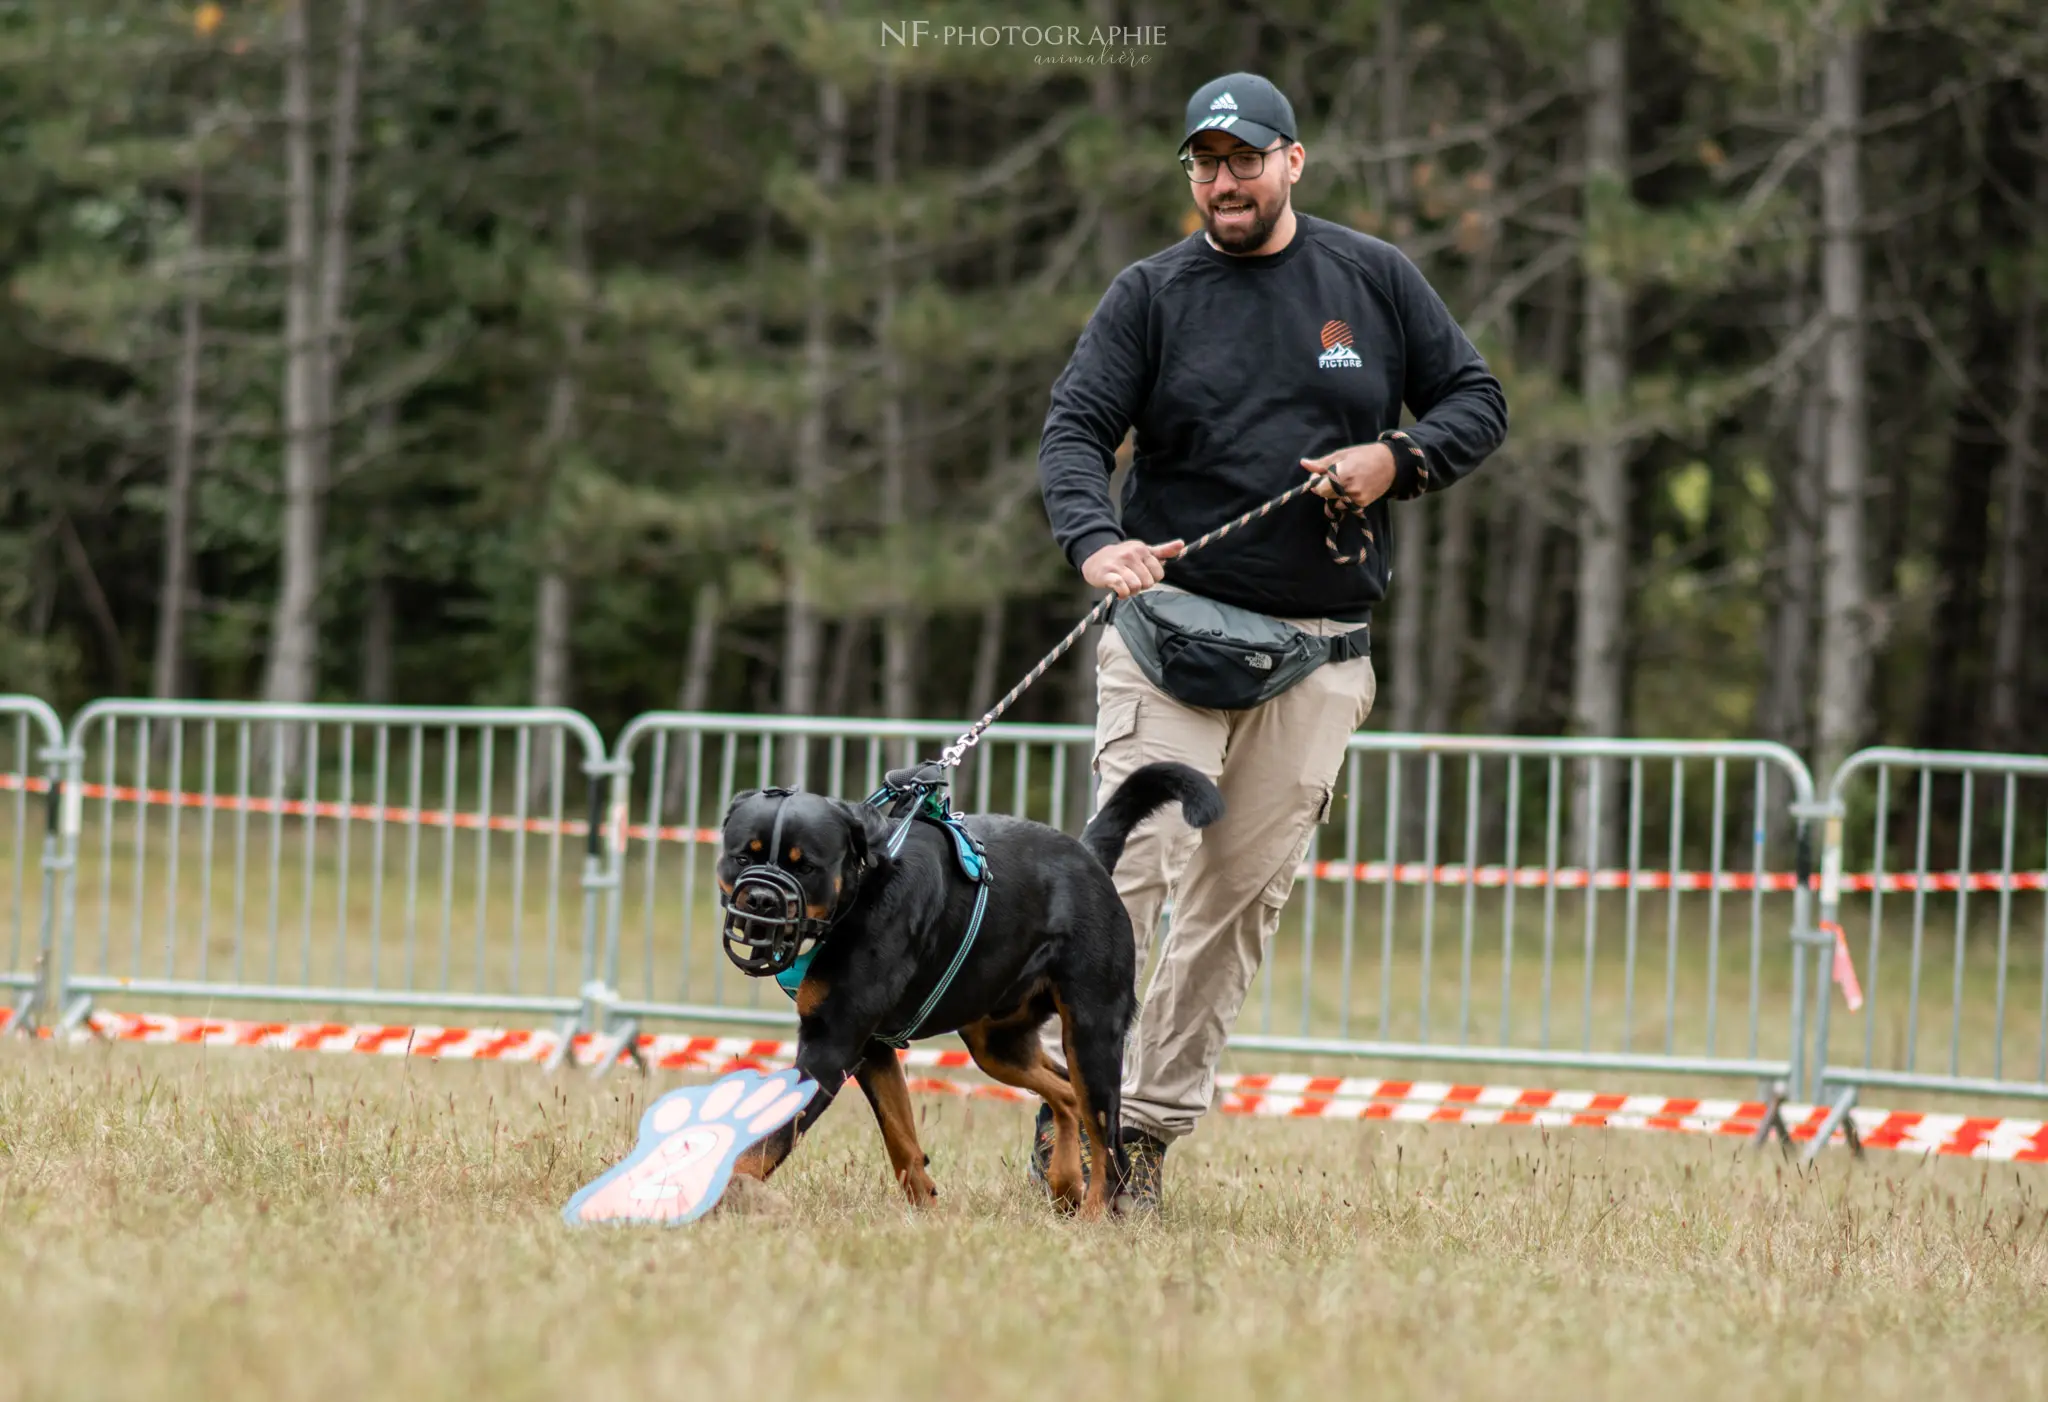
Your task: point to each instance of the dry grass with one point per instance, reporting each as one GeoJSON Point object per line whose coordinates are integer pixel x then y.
{"type": "Point", "coordinates": [174, 1224]}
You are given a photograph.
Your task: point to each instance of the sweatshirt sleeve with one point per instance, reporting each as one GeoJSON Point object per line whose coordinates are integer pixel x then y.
{"type": "Point", "coordinates": [1094, 401]}
{"type": "Point", "coordinates": [1461, 415]}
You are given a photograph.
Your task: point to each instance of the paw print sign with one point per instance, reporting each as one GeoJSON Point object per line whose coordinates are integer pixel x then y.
{"type": "Point", "coordinates": [689, 1141]}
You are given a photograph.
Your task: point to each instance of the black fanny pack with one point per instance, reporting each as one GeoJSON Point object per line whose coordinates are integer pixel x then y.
{"type": "Point", "coordinates": [1219, 656]}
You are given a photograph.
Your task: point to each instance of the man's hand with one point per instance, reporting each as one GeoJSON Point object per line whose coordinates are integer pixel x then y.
{"type": "Point", "coordinates": [1130, 566]}
{"type": "Point", "coordinates": [1363, 473]}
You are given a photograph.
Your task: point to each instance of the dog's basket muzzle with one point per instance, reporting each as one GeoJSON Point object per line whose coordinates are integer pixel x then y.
{"type": "Point", "coordinates": [766, 923]}
{"type": "Point", "coordinates": [766, 926]}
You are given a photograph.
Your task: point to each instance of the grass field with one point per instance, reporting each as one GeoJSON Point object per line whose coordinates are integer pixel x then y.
{"type": "Point", "coordinates": [183, 1225]}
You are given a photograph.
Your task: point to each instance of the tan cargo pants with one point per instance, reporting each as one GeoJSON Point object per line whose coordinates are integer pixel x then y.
{"type": "Point", "coordinates": [1276, 765]}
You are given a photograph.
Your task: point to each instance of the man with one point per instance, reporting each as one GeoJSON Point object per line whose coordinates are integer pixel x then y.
{"type": "Point", "coordinates": [1267, 344]}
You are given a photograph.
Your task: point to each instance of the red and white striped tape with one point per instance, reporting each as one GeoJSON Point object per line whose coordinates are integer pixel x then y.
{"type": "Point", "coordinates": [1452, 875]}
{"type": "Point", "coordinates": [1279, 1096]}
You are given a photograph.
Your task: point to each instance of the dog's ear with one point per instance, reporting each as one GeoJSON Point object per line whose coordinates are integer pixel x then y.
{"type": "Point", "coordinates": [737, 799]}
{"type": "Point", "coordinates": [866, 831]}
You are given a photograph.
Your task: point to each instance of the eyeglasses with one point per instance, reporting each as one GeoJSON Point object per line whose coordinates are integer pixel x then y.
{"type": "Point", "coordinates": [1245, 164]}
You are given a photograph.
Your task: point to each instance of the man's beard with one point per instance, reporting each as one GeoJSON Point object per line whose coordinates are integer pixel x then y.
{"type": "Point", "coordinates": [1243, 238]}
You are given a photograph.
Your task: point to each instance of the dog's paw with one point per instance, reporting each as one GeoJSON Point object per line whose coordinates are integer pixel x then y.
{"type": "Point", "coordinates": [689, 1141]}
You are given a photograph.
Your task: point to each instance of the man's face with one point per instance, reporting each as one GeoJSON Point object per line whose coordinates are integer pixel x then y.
{"type": "Point", "coordinates": [1240, 213]}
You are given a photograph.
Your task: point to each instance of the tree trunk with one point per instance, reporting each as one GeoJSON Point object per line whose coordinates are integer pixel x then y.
{"type": "Point", "coordinates": [1515, 534]}
{"type": "Point", "coordinates": [988, 655]}
{"type": "Point", "coordinates": [1113, 243]}
{"type": "Point", "coordinates": [1512, 614]}
{"type": "Point", "coordinates": [288, 674]}
{"type": "Point", "coordinates": [1408, 593]}
{"type": "Point", "coordinates": [802, 629]}
{"type": "Point", "coordinates": [97, 606]}
{"type": "Point", "coordinates": [902, 621]}
{"type": "Point", "coordinates": [1782, 712]}
{"type": "Point", "coordinates": [1115, 237]}
{"type": "Point", "coordinates": [847, 641]}
{"type": "Point", "coordinates": [1603, 547]}
{"type": "Point", "coordinates": [380, 625]}
{"type": "Point", "coordinates": [1601, 596]}
{"type": "Point", "coordinates": [1953, 714]}
{"type": "Point", "coordinates": [380, 608]}
{"type": "Point", "coordinates": [553, 613]}
{"type": "Point", "coordinates": [167, 671]}
{"type": "Point", "coordinates": [315, 307]}
{"type": "Point", "coordinates": [1449, 612]}
{"type": "Point", "coordinates": [2017, 516]}
{"type": "Point", "coordinates": [334, 242]}
{"type": "Point", "coordinates": [1393, 84]}
{"type": "Point", "coordinates": [1843, 704]}
{"type": "Point", "coordinates": [693, 697]}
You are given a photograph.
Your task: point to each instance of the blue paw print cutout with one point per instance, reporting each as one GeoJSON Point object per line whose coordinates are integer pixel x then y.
{"type": "Point", "coordinates": [689, 1141]}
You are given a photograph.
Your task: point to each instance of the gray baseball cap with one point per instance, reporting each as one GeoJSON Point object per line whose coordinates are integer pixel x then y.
{"type": "Point", "coordinates": [1243, 105]}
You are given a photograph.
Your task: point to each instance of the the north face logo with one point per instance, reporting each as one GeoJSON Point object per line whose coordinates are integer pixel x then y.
{"type": "Point", "coordinates": [1337, 348]}
{"type": "Point", "coordinates": [1225, 103]}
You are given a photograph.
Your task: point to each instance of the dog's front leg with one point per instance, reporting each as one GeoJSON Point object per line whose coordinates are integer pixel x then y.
{"type": "Point", "coordinates": [828, 1061]}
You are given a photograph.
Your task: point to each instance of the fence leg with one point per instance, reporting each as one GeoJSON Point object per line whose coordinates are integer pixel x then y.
{"type": "Point", "coordinates": [60, 879]}
{"type": "Point", "coordinates": [565, 1045]}
{"type": "Point", "coordinates": [1838, 1118]}
{"type": "Point", "coordinates": [1772, 1125]}
{"type": "Point", "coordinates": [1811, 933]}
{"type": "Point", "coordinates": [22, 1021]}
{"type": "Point", "coordinates": [44, 1001]}
{"type": "Point", "coordinates": [603, 864]}
{"type": "Point", "coordinates": [626, 1041]}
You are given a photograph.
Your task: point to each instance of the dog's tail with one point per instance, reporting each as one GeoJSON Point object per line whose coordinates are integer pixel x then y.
{"type": "Point", "coordinates": [1150, 788]}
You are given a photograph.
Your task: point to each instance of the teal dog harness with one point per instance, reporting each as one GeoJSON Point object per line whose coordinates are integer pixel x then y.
{"type": "Point", "coordinates": [911, 800]}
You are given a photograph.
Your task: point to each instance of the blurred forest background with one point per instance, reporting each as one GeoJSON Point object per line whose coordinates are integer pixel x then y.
{"type": "Point", "coordinates": [633, 353]}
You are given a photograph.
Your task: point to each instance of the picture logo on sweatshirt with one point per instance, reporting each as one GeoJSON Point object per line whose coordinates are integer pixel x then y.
{"type": "Point", "coordinates": [1337, 351]}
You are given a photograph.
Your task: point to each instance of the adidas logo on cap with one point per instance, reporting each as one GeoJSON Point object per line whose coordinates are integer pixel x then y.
{"type": "Point", "coordinates": [1225, 103]}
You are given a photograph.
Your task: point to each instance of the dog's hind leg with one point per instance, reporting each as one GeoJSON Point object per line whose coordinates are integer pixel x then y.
{"type": "Point", "coordinates": [1095, 1061]}
{"type": "Point", "coordinates": [881, 1078]}
{"type": "Point", "coordinates": [1009, 1052]}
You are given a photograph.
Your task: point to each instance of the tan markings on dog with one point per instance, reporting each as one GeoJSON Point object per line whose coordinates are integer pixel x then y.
{"type": "Point", "coordinates": [796, 854]}
{"type": "Point", "coordinates": [881, 1078]}
{"type": "Point", "coordinates": [1036, 1075]}
{"type": "Point", "coordinates": [818, 912]}
{"type": "Point", "coordinates": [836, 883]}
{"type": "Point", "coordinates": [1095, 1124]}
{"type": "Point", "coordinates": [755, 845]}
{"type": "Point", "coordinates": [765, 1157]}
{"type": "Point", "coordinates": [724, 885]}
{"type": "Point", "coordinates": [809, 994]}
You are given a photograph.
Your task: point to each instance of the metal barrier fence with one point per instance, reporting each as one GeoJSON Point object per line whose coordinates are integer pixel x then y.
{"type": "Point", "coordinates": [1659, 935]}
{"type": "Point", "coordinates": [1601, 905]}
{"type": "Point", "coordinates": [404, 857]}
{"type": "Point", "coordinates": [1935, 871]}
{"type": "Point", "coordinates": [1657, 888]}
{"type": "Point", "coordinates": [31, 800]}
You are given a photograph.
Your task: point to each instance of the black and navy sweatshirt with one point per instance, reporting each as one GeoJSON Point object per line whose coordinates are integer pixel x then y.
{"type": "Point", "coordinates": [1232, 370]}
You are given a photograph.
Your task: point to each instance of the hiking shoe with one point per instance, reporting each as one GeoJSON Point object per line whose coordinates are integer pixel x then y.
{"type": "Point", "coordinates": [1042, 1135]}
{"type": "Point", "coordinates": [1141, 1190]}
{"type": "Point", "coordinates": [1041, 1147]}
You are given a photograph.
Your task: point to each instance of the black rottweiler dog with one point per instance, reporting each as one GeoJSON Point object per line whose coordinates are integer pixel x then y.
{"type": "Point", "coordinates": [881, 931]}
